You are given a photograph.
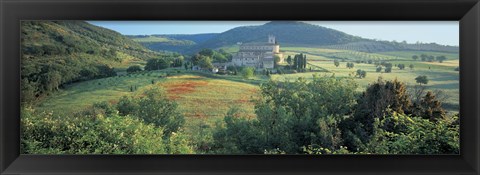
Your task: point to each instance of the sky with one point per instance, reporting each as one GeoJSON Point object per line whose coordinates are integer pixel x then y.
{"type": "Point", "coordinates": [441, 32]}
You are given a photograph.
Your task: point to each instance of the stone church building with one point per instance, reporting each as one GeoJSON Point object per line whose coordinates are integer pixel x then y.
{"type": "Point", "coordinates": [258, 54]}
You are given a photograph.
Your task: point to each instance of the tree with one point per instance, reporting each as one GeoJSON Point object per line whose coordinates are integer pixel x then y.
{"type": "Point", "coordinates": [413, 135]}
{"type": "Point", "coordinates": [196, 58]}
{"type": "Point", "coordinates": [51, 80]}
{"type": "Point", "coordinates": [155, 108]}
{"type": "Point", "coordinates": [414, 57]}
{"type": "Point", "coordinates": [299, 64]}
{"type": "Point", "coordinates": [127, 106]}
{"type": "Point", "coordinates": [295, 62]}
{"type": "Point", "coordinates": [379, 99]}
{"type": "Point", "coordinates": [289, 61]}
{"type": "Point", "coordinates": [247, 72]}
{"type": "Point", "coordinates": [388, 67]}
{"type": "Point", "coordinates": [207, 52]}
{"type": "Point", "coordinates": [133, 69]}
{"type": "Point", "coordinates": [441, 58]}
{"type": "Point", "coordinates": [401, 66]}
{"type": "Point", "coordinates": [379, 68]}
{"type": "Point", "coordinates": [205, 63]}
{"type": "Point", "coordinates": [430, 58]}
{"type": "Point", "coordinates": [105, 71]}
{"type": "Point", "coordinates": [178, 62]}
{"type": "Point", "coordinates": [304, 61]}
{"type": "Point", "coordinates": [219, 58]}
{"type": "Point", "coordinates": [29, 90]}
{"type": "Point", "coordinates": [156, 64]}
{"type": "Point", "coordinates": [411, 66]}
{"type": "Point", "coordinates": [336, 63]}
{"type": "Point", "coordinates": [290, 117]}
{"type": "Point", "coordinates": [430, 108]}
{"type": "Point", "coordinates": [422, 79]}
{"type": "Point", "coordinates": [361, 73]}
{"type": "Point", "coordinates": [350, 65]}
{"type": "Point", "coordinates": [423, 57]}
{"type": "Point", "coordinates": [276, 61]}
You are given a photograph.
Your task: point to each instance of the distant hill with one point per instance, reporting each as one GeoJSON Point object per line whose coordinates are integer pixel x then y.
{"type": "Point", "coordinates": [385, 46]}
{"type": "Point", "coordinates": [55, 53]}
{"type": "Point", "coordinates": [197, 38]}
{"type": "Point", "coordinates": [288, 33]}
{"type": "Point", "coordinates": [172, 43]}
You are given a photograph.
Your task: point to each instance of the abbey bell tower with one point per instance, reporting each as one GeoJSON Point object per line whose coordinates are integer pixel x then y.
{"type": "Point", "coordinates": [271, 39]}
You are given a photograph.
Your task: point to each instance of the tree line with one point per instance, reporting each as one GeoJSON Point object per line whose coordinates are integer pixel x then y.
{"type": "Point", "coordinates": [299, 62]}
{"type": "Point", "coordinates": [430, 58]}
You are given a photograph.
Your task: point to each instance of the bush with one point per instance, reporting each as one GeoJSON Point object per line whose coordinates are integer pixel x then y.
{"type": "Point", "coordinates": [156, 64]}
{"type": "Point", "coordinates": [133, 69]}
{"type": "Point", "coordinates": [105, 71]}
{"type": "Point", "coordinates": [416, 136]}
{"type": "Point", "coordinates": [148, 125]}
{"type": "Point", "coordinates": [47, 134]}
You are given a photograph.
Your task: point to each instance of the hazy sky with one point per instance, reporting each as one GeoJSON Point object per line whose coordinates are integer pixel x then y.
{"type": "Point", "coordinates": [441, 32]}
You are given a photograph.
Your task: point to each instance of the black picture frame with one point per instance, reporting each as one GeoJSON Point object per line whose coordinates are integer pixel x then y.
{"type": "Point", "coordinates": [465, 11]}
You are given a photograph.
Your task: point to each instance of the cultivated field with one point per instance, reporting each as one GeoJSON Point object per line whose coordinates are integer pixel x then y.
{"type": "Point", "coordinates": [442, 76]}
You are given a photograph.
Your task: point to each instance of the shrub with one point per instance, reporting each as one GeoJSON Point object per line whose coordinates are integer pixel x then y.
{"type": "Point", "coordinates": [133, 69]}
{"type": "Point", "coordinates": [43, 133]}
{"type": "Point", "coordinates": [156, 64]}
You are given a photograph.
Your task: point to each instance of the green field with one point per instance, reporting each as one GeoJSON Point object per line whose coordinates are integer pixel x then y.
{"type": "Point", "coordinates": [442, 76]}
{"type": "Point", "coordinates": [203, 98]}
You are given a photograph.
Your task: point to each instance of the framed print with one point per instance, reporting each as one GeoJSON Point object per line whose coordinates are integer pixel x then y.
{"type": "Point", "coordinates": [240, 87]}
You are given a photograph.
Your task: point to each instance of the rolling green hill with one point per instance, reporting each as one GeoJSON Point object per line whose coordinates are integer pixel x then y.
{"type": "Point", "coordinates": [171, 43]}
{"type": "Point", "coordinates": [286, 32]}
{"type": "Point", "coordinates": [55, 53]}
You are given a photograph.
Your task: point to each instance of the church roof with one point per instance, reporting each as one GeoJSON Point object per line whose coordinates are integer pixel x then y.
{"type": "Point", "coordinates": [258, 44]}
{"type": "Point", "coordinates": [268, 59]}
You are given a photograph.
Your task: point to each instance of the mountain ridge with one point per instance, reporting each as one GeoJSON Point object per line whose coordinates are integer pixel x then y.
{"type": "Point", "coordinates": [295, 33]}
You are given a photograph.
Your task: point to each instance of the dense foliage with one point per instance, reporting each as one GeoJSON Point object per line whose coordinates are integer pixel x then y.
{"type": "Point", "coordinates": [290, 116]}
{"type": "Point", "coordinates": [133, 69]}
{"type": "Point", "coordinates": [326, 116]}
{"type": "Point", "coordinates": [145, 125]}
